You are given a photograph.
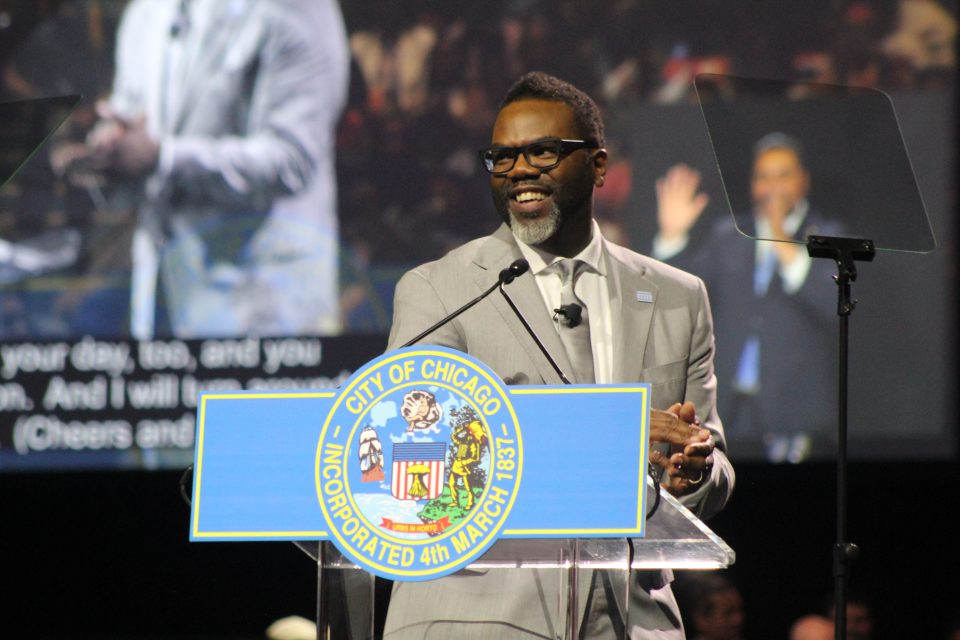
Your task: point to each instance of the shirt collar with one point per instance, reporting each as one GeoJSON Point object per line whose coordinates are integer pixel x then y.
{"type": "Point", "coordinates": [591, 255]}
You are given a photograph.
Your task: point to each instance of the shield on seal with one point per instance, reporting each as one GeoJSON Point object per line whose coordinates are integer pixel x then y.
{"type": "Point", "coordinates": [417, 470]}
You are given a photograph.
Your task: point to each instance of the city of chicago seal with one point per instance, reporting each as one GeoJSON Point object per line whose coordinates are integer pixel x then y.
{"type": "Point", "coordinates": [418, 463]}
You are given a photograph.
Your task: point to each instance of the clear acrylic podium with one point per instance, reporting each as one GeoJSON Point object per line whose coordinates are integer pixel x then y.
{"type": "Point", "coordinates": [675, 539]}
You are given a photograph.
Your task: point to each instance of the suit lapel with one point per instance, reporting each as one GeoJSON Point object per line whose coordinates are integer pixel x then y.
{"type": "Point", "coordinates": [208, 55]}
{"type": "Point", "coordinates": [495, 255]}
{"type": "Point", "coordinates": [633, 299]}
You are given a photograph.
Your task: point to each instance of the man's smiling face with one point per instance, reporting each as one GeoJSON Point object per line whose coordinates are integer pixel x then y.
{"type": "Point", "coordinates": [537, 203]}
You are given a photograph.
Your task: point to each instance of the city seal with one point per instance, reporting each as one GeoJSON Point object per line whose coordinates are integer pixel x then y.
{"type": "Point", "coordinates": [418, 463]}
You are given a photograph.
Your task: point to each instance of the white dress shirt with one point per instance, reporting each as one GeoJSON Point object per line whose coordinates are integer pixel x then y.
{"type": "Point", "coordinates": [591, 287]}
{"type": "Point", "coordinates": [794, 274]}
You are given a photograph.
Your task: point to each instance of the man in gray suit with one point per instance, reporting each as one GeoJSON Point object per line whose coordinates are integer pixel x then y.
{"type": "Point", "coordinates": [223, 114]}
{"type": "Point", "coordinates": [646, 322]}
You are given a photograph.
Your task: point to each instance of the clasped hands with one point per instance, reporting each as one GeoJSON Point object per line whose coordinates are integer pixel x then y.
{"type": "Point", "coordinates": [691, 447]}
{"type": "Point", "coordinates": [116, 145]}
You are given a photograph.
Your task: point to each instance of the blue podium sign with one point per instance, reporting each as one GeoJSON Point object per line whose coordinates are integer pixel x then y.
{"type": "Point", "coordinates": [420, 462]}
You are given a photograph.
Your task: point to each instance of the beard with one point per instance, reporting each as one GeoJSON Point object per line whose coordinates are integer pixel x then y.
{"type": "Point", "coordinates": [536, 231]}
{"type": "Point", "coordinates": [570, 199]}
{"type": "Point", "coordinates": [528, 231]}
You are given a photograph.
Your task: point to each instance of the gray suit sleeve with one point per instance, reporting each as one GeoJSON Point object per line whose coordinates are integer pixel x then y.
{"type": "Point", "coordinates": [702, 391]}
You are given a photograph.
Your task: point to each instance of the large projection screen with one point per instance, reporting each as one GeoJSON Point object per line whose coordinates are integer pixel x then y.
{"type": "Point", "coordinates": [307, 161]}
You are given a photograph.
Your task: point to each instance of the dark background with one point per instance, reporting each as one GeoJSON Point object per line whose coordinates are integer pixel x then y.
{"type": "Point", "coordinates": [106, 555]}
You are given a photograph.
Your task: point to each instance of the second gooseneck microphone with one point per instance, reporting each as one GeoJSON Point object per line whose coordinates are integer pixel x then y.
{"type": "Point", "coordinates": [508, 275]}
{"type": "Point", "coordinates": [536, 339]}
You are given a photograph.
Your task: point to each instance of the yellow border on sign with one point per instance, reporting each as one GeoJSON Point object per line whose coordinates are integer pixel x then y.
{"type": "Point", "coordinates": [494, 531]}
{"type": "Point", "coordinates": [644, 439]}
{"type": "Point", "coordinates": [277, 535]}
{"type": "Point", "coordinates": [198, 472]}
{"type": "Point", "coordinates": [644, 426]}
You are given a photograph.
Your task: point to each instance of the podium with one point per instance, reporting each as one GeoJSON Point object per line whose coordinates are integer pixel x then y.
{"type": "Point", "coordinates": [418, 471]}
{"type": "Point", "coordinates": [675, 539]}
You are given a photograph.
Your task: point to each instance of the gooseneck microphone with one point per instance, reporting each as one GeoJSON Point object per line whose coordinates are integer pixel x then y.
{"type": "Point", "coordinates": [536, 338]}
{"type": "Point", "coordinates": [517, 268]}
{"type": "Point", "coordinates": [508, 275]}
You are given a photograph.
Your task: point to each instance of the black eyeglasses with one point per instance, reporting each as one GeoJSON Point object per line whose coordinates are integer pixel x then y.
{"type": "Point", "coordinates": [542, 154]}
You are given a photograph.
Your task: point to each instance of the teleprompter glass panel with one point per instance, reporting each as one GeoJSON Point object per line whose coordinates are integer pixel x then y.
{"type": "Point", "coordinates": [801, 148]}
{"type": "Point", "coordinates": [25, 125]}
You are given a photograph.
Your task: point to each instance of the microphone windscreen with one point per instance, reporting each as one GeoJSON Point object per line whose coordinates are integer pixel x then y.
{"type": "Point", "coordinates": [519, 267]}
{"type": "Point", "coordinates": [516, 268]}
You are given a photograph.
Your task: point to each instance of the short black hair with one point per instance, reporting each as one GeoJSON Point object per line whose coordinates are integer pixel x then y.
{"type": "Point", "coordinates": [537, 85]}
{"type": "Point", "coordinates": [779, 140]}
{"type": "Point", "coordinates": [693, 590]}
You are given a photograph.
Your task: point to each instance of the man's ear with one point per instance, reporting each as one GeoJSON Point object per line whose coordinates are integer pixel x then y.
{"type": "Point", "coordinates": [599, 166]}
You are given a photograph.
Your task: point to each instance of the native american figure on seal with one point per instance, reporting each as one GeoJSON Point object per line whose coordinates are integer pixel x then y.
{"type": "Point", "coordinates": [468, 439]}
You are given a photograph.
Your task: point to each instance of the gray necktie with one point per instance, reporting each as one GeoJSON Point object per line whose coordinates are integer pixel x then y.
{"type": "Point", "coordinates": [576, 339]}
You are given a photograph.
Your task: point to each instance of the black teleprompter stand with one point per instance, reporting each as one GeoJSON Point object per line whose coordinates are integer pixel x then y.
{"type": "Point", "coordinates": [846, 252]}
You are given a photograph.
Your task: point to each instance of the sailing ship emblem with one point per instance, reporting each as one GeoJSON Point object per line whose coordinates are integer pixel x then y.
{"type": "Point", "coordinates": [370, 452]}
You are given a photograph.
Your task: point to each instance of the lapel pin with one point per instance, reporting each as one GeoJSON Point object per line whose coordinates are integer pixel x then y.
{"type": "Point", "coordinates": [644, 296]}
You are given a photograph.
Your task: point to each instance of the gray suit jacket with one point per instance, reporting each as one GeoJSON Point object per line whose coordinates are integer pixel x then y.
{"type": "Point", "coordinates": [241, 210]}
{"type": "Point", "coordinates": [667, 342]}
